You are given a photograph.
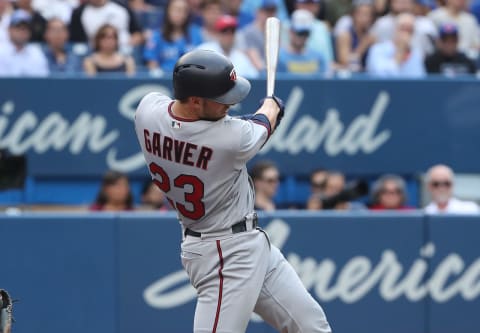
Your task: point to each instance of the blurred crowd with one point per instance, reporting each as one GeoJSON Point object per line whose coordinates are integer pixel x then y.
{"type": "Point", "coordinates": [328, 190]}
{"type": "Point", "coordinates": [382, 38]}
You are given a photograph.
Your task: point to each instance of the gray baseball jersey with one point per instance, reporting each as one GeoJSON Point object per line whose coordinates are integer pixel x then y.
{"type": "Point", "coordinates": [201, 167]}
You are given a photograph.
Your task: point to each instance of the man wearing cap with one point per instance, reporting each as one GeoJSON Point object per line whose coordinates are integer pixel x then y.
{"type": "Point", "coordinates": [468, 30]}
{"type": "Point", "coordinates": [37, 21]}
{"type": "Point", "coordinates": [251, 39]}
{"type": "Point", "coordinates": [18, 57]}
{"type": "Point", "coordinates": [447, 59]}
{"type": "Point", "coordinates": [319, 39]}
{"type": "Point", "coordinates": [226, 27]}
{"type": "Point", "coordinates": [297, 57]}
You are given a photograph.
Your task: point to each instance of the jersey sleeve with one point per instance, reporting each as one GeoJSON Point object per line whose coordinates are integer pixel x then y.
{"type": "Point", "coordinates": [147, 104]}
{"type": "Point", "coordinates": [252, 136]}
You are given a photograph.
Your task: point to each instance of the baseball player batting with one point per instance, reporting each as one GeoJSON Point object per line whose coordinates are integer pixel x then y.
{"type": "Point", "coordinates": [197, 155]}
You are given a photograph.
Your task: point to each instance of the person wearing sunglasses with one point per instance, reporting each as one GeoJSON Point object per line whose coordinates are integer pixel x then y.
{"type": "Point", "coordinates": [266, 178]}
{"type": "Point", "coordinates": [389, 193]}
{"type": "Point", "coordinates": [296, 57]}
{"type": "Point", "coordinates": [226, 30]}
{"type": "Point", "coordinates": [440, 186]}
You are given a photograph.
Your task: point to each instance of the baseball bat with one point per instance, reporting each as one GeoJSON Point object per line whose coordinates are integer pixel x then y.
{"type": "Point", "coordinates": [272, 43]}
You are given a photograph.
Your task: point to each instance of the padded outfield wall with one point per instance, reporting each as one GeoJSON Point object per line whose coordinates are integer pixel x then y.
{"type": "Point", "coordinates": [121, 273]}
{"type": "Point", "coordinates": [73, 129]}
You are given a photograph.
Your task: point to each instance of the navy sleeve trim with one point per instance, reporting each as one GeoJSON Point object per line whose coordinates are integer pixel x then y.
{"type": "Point", "coordinates": [262, 119]}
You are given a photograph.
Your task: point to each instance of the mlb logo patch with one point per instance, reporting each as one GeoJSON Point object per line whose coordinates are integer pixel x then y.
{"type": "Point", "coordinates": [176, 124]}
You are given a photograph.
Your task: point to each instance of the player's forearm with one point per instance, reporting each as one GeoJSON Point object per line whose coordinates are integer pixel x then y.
{"type": "Point", "coordinates": [270, 109]}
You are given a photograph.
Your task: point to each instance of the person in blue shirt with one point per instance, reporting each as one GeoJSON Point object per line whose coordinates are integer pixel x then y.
{"type": "Point", "coordinates": [176, 37]}
{"type": "Point", "coordinates": [297, 57]}
{"type": "Point", "coordinates": [398, 57]}
{"type": "Point", "coordinates": [59, 53]}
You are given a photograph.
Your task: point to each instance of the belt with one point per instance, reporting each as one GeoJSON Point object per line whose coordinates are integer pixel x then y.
{"type": "Point", "coordinates": [236, 228]}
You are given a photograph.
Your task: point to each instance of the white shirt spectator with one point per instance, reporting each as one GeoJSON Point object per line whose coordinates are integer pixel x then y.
{"type": "Point", "coordinates": [381, 62]}
{"type": "Point", "coordinates": [468, 30]}
{"type": "Point", "coordinates": [243, 65]}
{"type": "Point", "coordinates": [423, 37]}
{"type": "Point", "coordinates": [87, 19]}
{"type": "Point", "coordinates": [319, 40]}
{"type": "Point", "coordinates": [61, 9]}
{"type": "Point", "coordinates": [454, 206]}
{"type": "Point", "coordinates": [28, 61]}
{"type": "Point", "coordinates": [94, 17]}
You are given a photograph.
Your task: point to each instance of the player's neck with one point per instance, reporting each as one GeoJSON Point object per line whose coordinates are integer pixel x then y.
{"type": "Point", "coordinates": [183, 111]}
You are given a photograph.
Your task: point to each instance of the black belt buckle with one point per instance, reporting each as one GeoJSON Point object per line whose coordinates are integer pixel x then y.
{"type": "Point", "coordinates": [242, 225]}
{"type": "Point", "coordinates": [236, 228]}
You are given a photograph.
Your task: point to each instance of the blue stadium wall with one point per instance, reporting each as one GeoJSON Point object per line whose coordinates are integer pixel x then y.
{"type": "Point", "coordinates": [121, 273]}
{"type": "Point", "coordinates": [74, 129]}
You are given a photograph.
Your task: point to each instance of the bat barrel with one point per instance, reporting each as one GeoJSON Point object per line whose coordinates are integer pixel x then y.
{"type": "Point", "coordinates": [272, 43]}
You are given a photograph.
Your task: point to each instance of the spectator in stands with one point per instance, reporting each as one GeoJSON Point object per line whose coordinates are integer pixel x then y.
{"type": "Point", "coordinates": [211, 11]}
{"type": "Point", "coordinates": [226, 27]}
{"type": "Point", "coordinates": [265, 176]}
{"type": "Point", "coordinates": [252, 37]}
{"type": "Point", "coordinates": [61, 58]}
{"type": "Point", "coordinates": [400, 57]}
{"type": "Point", "coordinates": [176, 37]}
{"type": "Point", "coordinates": [318, 179]}
{"type": "Point", "coordinates": [297, 57]}
{"type": "Point", "coordinates": [18, 57]}
{"type": "Point", "coordinates": [425, 31]}
{"type": "Point", "coordinates": [114, 193]}
{"type": "Point", "coordinates": [153, 198]}
{"type": "Point", "coordinates": [468, 31]}
{"type": "Point", "coordinates": [352, 44]}
{"type": "Point", "coordinates": [90, 16]}
{"type": "Point", "coordinates": [334, 184]}
{"type": "Point", "coordinates": [233, 8]}
{"type": "Point", "coordinates": [5, 13]}
{"type": "Point", "coordinates": [148, 16]}
{"type": "Point", "coordinates": [320, 39]}
{"type": "Point", "coordinates": [106, 57]}
{"type": "Point", "coordinates": [389, 193]}
{"type": "Point", "coordinates": [37, 23]}
{"type": "Point", "coordinates": [61, 9]}
{"type": "Point", "coordinates": [440, 183]}
{"type": "Point", "coordinates": [448, 60]}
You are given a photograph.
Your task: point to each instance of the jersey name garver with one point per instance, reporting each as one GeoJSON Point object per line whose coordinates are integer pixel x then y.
{"type": "Point", "coordinates": [176, 150]}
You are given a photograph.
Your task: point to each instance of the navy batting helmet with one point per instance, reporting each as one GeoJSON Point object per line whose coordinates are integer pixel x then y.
{"type": "Point", "coordinates": [208, 74]}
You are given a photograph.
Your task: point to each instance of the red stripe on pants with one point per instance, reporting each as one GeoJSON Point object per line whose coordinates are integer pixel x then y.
{"type": "Point", "coordinates": [220, 290]}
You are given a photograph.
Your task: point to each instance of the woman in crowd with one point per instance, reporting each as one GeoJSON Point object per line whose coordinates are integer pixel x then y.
{"type": "Point", "coordinates": [114, 194]}
{"type": "Point", "coordinates": [106, 57]}
{"type": "Point", "coordinates": [389, 193]}
{"type": "Point", "coordinates": [352, 43]}
{"type": "Point", "coordinates": [176, 36]}
{"type": "Point", "coordinates": [153, 198]}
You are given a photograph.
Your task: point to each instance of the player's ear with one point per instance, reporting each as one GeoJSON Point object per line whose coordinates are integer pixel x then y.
{"type": "Point", "coordinates": [196, 102]}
